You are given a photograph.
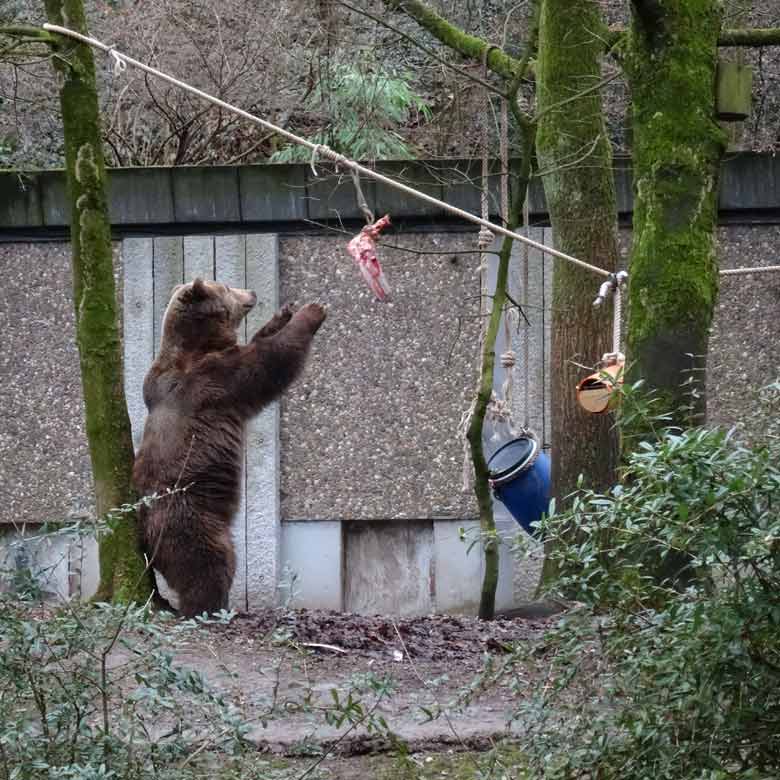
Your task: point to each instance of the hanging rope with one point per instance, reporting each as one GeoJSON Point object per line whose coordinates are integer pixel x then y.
{"type": "Point", "coordinates": [527, 325]}
{"type": "Point", "coordinates": [613, 286]}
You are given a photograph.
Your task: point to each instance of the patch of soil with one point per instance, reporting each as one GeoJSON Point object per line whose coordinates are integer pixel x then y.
{"type": "Point", "coordinates": [439, 638]}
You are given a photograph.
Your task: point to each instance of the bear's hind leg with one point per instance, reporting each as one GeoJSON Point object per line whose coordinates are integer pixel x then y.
{"type": "Point", "coordinates": [207, 586]}
{"type": "Point", "coordinates": [203, 597]}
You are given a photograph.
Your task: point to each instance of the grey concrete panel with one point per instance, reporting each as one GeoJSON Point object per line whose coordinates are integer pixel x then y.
{"type": "Point", "coordinates": [311, 560]}
{"type": "Point", "coordinates": [389, 568]}
{"type": "Point", "coordinates": [396, 203]}
{"type": "Point", "coordinates": [331, 195]}
{"type": "Point", "coordinates": [206, 194]}
{"type": "Point", "coordinates": [168, 271]}
{"type": "Point", "coordinates": [530, 384]}
{"type": "Point", "coordinates": [84, 568]}
{"type": "Point", "coordinates": [385, 385]}
{"type": "Point", "coordinates": [263, 514]}
{"type": "Point", "coordinates": [745, 337]}
{"type": "Point", "coordinates": [459, 566]}
{"type": "Point", "coordinates": [198, 257]}
{"type": "Point", "coordinates": [230, 259]}
{"type": "Point", "coordinates": [272, 193]}
{"type": "Point", "coordinates": [45, 473]}
{"type": "Point", "coordinates": [44, 558]}
{"type": "Point", "coordinates": [138, 325]}
{"type": "Point", "coordinates": [20, 204]}
{"type": "Point", "coordinates": [54, 198]}
{"type": "Point", "coordinates": [140, 196]}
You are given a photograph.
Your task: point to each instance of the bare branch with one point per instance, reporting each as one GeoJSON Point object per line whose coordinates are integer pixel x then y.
{"type": "Point", "coordinates": [471, 46]}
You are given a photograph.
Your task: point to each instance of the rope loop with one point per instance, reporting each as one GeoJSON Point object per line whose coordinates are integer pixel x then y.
{"type": "Point", "coordinates": [120, 65]}
{"type": "Point", "coordinates": [313, 161]}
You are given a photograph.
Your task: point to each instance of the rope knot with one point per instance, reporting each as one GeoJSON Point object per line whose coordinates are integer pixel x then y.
{"type": "Point", "coordinates": [485, 237]}
{"type": "Point", "coordinates": [508, 359]}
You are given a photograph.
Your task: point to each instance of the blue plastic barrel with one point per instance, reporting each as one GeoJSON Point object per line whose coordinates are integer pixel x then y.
{"type": "Point", "coordinates": [520, 477]}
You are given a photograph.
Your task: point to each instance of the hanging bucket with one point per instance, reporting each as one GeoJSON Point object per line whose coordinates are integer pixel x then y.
{"type": "Point", "coordinates": [597, 392]}
{"type": "Point", "coordinates": [520, 478]}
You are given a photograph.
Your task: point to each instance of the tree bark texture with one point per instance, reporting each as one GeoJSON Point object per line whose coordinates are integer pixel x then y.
{"type": "Point", "coordinates": [122, 568]}
{"type": "Point", "coordinates": [671, 62]}
{"type": "Point", "coordinates": [575, 159]}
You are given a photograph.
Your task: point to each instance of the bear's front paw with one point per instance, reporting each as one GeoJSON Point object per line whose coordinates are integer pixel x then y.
{"type": "Point", "coordinates": [315, 313]}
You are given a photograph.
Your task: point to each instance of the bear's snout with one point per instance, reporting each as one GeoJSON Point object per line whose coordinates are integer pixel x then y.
{"type": "Point", "coordinates": [251, 299]}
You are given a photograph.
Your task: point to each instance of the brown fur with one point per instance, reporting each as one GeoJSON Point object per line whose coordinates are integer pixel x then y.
{"type": "Point", "coordinates": [200, 391]}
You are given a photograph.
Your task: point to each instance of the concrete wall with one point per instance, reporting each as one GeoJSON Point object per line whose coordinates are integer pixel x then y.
{"type": "Point", "coordinates": [358, 491]}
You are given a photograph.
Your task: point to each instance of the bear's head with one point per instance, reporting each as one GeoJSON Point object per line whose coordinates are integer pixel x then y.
{"type": "Point", "coordinates": [204, 316]}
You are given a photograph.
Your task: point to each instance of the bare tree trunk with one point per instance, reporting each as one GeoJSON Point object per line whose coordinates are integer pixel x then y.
{"type": "Point", "coordinates": [576, 163]}
{"type": "Point", "coordinates": [122, 568]}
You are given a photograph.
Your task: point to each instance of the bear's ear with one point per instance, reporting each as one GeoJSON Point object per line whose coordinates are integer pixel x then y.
{"type": "Point", "coordinates": [198, 291]}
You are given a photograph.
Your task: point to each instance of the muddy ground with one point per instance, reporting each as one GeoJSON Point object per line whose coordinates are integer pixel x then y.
{"type": "Point", "coordinates": [413, 680]}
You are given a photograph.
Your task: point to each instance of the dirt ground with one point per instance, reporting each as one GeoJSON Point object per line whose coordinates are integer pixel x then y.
{"type": "Point", "coordinates": [406, 677]}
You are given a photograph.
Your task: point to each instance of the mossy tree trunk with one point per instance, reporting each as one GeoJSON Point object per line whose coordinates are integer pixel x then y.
{"type": "Point", "coordinates": [671, 61]}
{"type": "Point", "coordinates": [122, 568]}
{"type": "Point", "coordinates": [576, 162]}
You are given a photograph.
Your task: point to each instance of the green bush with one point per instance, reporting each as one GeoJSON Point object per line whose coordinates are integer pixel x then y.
{"type": "Point", "coordinates": [685, 680]}
{"type": "Point", "coordinates": [94, 692]}
{"type": "Point", "coordinates": [363, 105]}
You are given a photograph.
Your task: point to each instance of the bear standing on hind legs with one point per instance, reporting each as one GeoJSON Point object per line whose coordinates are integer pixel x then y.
{"type": "Point", "coordinates": [200, 392]}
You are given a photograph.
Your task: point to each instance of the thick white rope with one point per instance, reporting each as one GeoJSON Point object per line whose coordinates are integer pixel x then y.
{"type": "Point", "coordinates": [324, 150]}
{"type": "Point", "coordinates": [758, 270]}
{"type": "Point", "coordinates": [617, 319]}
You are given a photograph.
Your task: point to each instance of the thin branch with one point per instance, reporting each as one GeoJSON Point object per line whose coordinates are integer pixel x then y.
{"type": "Point", "coordinates": [501, 63]}
{"type": "Point", "coordinates": [594, 88]}
{"type": "Point", "coordinates": [430, 52]}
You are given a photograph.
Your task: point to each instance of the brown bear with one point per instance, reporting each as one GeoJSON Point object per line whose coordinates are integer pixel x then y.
{"type": "Point", "coordinates": [200, 392]}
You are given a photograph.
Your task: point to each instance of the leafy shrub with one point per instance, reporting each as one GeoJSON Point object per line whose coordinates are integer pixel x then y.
{"type": "Point", "coordinates": [362, 104]}
{"type": "Point", "coordinates": [690, 682]}
{"type": "Point", "coordinates": [93, 691]}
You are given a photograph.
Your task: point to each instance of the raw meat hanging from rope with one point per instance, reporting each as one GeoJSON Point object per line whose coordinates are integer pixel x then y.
{"type": "Point", "coordinates": [363, 250]}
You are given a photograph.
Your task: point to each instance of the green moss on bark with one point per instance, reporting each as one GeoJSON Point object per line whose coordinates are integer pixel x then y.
{"type": "Point", "coordinates": [450, 35]}
{"type": "Point", "coordinates": [122, 568]}
{"type": "Point", "coordinates": [671, 62]}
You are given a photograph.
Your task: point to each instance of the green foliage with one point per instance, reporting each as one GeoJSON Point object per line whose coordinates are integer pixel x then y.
{"type": "Point", "coordinates": [94, 692]}
{"type": "Point", "coordinates": [363, 104]}
{"type": "Point", "coordinates": [689, 688]}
